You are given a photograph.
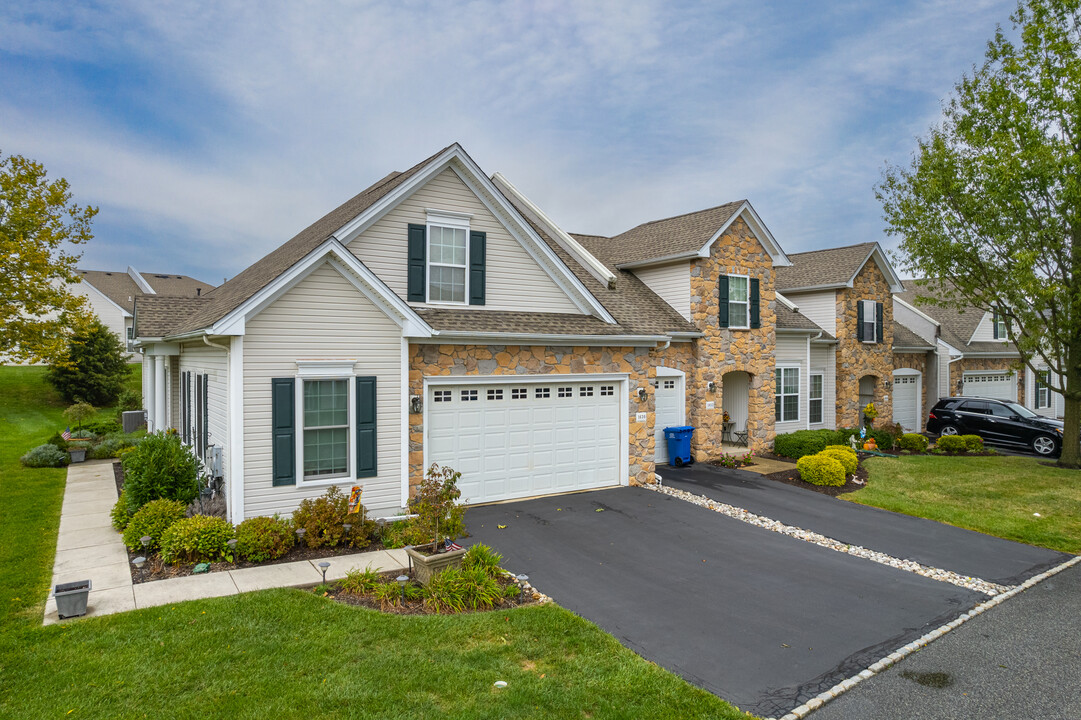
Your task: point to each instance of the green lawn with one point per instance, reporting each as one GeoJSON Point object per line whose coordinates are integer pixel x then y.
{"type": "Point", "coordinates": [285, 653]}
{"type": "Point", "coordinates": [996, 495]}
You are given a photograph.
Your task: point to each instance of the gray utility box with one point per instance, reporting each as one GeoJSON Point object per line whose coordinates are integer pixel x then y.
{"type": "Point", "coordinates": [71, 598]}
{"type": "Point", "coordinates": [133, 420]}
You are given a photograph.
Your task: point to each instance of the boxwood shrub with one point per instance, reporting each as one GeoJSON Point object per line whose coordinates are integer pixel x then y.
{"type": "Point", "coordinates": [264, 538]}
{"type": "Point", "coordinates": [848, 459]}
{"type": "Point", "coordinates": [973, 443]}
{"type": "Point", "coordinates": [152, 519]}
{"type": "Point", "coordinates": [952, 443]}
{"type": "Point", "coordinates": [803, 442]}
{"type": "Point", "coordinates": [821, 469]}
{"type": "Point", "coordinates": [200, 538]}
{"type": "Point", "coordinates": [913, 442]}
{"type": "Point", "coordinates": [160, 466]}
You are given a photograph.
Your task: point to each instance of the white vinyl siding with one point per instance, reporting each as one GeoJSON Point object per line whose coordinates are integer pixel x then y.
{"type": "Point", "coordinates": [919, 325]}
{"type": "Point", "coordinates": [1055, 407]}
{"type": "Point", "coordinates": [791, 352]}
{"type": "Point", "coordinates": [212, 362]}
{"type": "Point", "coordinates": [514, 281]}
{"type": "Point", "coordinates": [820, 307]}
{"type": "Point", "coordinates": [985, 331]}
{"type": "Point", "coordinates": [672, 283]}
{"type": "Point", "coordinates": [322, 317]}
{"type": "Point", "coordinates": [943, 356]}
{"type": "Point", "coordinates": [824, 362]}
{"type": "Point", "coordinates": [108, 312]}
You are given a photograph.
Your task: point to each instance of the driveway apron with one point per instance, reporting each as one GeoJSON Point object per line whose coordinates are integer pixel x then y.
{"type": "Point", "coordinates": [763, 620]}
{"type": "Point", "coordinates": [903, 536]}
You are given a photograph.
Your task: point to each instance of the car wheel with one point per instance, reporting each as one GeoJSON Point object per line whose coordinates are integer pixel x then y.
{"type": "Point", "coordinates": [949, 430]}
{"type": "Point", "coordinates": [1044, 445]}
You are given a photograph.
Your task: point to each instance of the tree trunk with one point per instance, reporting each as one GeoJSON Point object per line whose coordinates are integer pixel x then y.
{"type": "Point", "coordinates": [1071, 433]}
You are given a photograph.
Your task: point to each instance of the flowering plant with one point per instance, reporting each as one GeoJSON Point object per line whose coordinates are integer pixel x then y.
{"type": "Point", "coordinates": [727, 417]}
{"type": "Point", "coordinates": [870, 411]}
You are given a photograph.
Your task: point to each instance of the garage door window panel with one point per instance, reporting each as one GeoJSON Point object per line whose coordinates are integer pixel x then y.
{"type": "Point", "coordinates": [326, 428]}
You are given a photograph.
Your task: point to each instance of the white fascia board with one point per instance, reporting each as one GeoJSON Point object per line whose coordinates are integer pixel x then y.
{"type": "Point", "coordinates": [907, 349]}
{"type": "Point", "coordinates": [595, 267]}
{"type": "Point", "coordinates": [786, 302]}
{"type": "Point", "coordinates": [104, 297]}
{"type": "Point", "coordinates": [141, 281]}
{"type": "Point", "coordinates": [799, 331]}
{"type": "Point", "coordinates": [466, 337]}
{"type": "Point", "coordinates": [350, 267]}
{"type": "Point", "coordinates": [457, 160]}
{"type": "Point", "coordinates": [769, 243]}
{"type": "Point", "coordinates": [659, 261]}
{"type": "Point", "coordinates": [810, 288]}
{"type": "Point", "coordinates": [884, 265]}
{"type": "Point", "coordinates": [950, 349]}
{"type": "Point", "coordinates": [916, 310]}
{"type": "Point", "coordinates": [1007, 354]}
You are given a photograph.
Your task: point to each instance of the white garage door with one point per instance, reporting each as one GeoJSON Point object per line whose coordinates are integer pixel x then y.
{"type": "Point", "coordinates": [1000, 385]}
{"type": "Point", "coordinates": [906, 402]}
{"type": "Point", "coordinates": [669, 412]}
{"type": "Point", "coordinates": [513, 440]}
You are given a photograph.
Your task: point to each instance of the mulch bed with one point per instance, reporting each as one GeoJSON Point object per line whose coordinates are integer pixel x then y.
{"type": "Point", "coordinates": [414, 607]}
{"type": "Point", "coordinates": [791, 477]}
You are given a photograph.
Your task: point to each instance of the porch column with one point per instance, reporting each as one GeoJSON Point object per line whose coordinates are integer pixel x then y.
{"type": "Point", "coordinates": [159, 393]}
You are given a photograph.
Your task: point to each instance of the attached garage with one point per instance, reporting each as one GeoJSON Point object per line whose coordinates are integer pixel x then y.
{"type": "Point", "coordinates": [907, 392]}
{"type": "Point", "coordinates": [526, 436]}
{"type": "Point", "coordinates": [999, 385]}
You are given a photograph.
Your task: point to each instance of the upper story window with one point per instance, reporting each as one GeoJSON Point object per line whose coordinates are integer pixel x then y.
{"type": "Point", "coordinates": [738, 306]}
{"type": "Point", "coordinates": [446, 260]}
{"type": "Point", "coordinates": [869, 321]}
{"type": "Point", "coordinates": [447, 271]}
{"type": "Point", "coordinates": [998, 324]}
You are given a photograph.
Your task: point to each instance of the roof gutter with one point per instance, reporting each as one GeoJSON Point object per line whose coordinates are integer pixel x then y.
{"type": "Point", "coordinates": [465, 335]}
{"type": "Point", "coordinates": [657, 261]}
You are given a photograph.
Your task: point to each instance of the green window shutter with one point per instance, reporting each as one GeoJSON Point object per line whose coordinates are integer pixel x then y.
{"type": "Point", "coordinates": [994, 324]}
{"type": "Point", "coordinates": [206, 425]}
{"type": "Point", "coordinates": [418, 253]}
{"type": "Point", "coordinates": [756, 315]}
{"type": "Point", "coordinates": [283, 420]}
{"type": "Point", "coordinates": [859, 320]}
{"type": "Point", "coordinates": [367, 453]}
{"type": "Point", "coordinates": [879, 336]}
{"type": "Point", "coordinates": [185, 406]}
{"type": "Point", "coordinates": [722, 301]}
{"type": "Point", "coordinates": [477, 250]}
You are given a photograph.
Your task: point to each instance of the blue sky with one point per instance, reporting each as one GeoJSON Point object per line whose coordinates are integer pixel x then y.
{"type": "Point", "coordinates": [209, 133]}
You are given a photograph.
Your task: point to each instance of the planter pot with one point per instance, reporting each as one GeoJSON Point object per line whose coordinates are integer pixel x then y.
{"type": "Point", "coordinates": [71, 598]}
{"type": "Point", "coordinates": [78, 454]}
{"type": "Point", "coordinates": [427, 566]}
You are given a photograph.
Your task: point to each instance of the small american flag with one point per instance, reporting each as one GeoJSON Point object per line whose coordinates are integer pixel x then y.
{"type": "Point", "coordinates": [451, 545]}
{"type": "Point", "coordinates": [66, 434]}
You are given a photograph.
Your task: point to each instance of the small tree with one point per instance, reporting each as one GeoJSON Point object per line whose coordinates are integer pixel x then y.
{"type": "Point", "coordinates": [79, 413]}
{"type": "Point", "coordinates": [92, 367]}
{"type": "Point", "coordinates": [38, 311]}
{"type": "Point", "coordinates": [435, 504]}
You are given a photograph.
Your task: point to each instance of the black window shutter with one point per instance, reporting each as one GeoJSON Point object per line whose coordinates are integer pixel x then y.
{"type": "Point", "coordinates": [198, 414]}
{"type": "Point", "coordinates": [205, 439]}
{"type": "Point", "coordinates": [185, 406]}
{"type": "Point", "coordinates": [722, 301]}
{"type": "Point", "coordinates": [477, 243]}
{"type": "Point", "coordinates": [367, 453]}
{"type": "Point", "coordinates": [283, 420]}
{"type": "Point", "coordinates": [878, 323]}
{"type": "Point", "coordinates": [994, 324]}
{"type": "Point", "coordinates": [859, 321]}
{"type": "Point", "coordinates": [756, 315]}
{"type": "Point", "coordinates": [418, 251]}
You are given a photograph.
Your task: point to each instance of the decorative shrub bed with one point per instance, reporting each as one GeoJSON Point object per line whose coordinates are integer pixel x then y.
{"type": "Point", "coordinates": [821, 469]}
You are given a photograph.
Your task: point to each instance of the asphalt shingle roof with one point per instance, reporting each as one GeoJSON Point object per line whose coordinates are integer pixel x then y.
{"type": "Point", "coordinates": [956, 325]}
{"type": "Point", "coordinates": [157, 315]}
{"type": "Point", "coordinates": [833, 266]}
{"type": "Point", "coordinates": [671, 236]}
{"type": "Point", "coordinates": [903, 337]}
{"type": "Point", "coordinates": [122, 290]}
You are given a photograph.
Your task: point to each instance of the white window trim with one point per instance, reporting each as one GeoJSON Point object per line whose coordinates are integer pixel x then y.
{"type": "Point", "coordinates": [326, 368]}
{"type": "Point", "coordinates": [746, 303]}
{"type": "Point", "coordinates": [1046, 390]}
{"type": "Point", "coordinates": [821, 398]}
{"type": "Point", "coordinates": [874, 321]}
{"type": "Point", "coordinates": [455, 221]}
{"type": "Point", "coordinates": [351, 431]}
{"type": "Point", "coordinates": [798, 394]}
{"type": "Point", "coordinates": [1000, 321]}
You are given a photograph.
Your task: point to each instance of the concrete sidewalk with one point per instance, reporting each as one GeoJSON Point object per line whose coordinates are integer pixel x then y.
{"type": "Point", "coordinates": [87, 546]}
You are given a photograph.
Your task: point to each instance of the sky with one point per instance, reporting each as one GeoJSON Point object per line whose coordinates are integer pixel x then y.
{"type": "Point", "coordinates": [208, 133]}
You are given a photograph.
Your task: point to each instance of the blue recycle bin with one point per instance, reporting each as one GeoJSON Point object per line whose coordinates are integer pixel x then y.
{"type": "Point", "coordinates": [679, 444]}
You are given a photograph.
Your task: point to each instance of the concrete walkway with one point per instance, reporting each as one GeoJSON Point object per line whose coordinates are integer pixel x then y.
{"type": "Point", "coordinates": [87, 546]}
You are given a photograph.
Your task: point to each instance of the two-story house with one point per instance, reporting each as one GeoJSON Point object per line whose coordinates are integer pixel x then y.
{"type": "Point", "coordinates": [440, 316]}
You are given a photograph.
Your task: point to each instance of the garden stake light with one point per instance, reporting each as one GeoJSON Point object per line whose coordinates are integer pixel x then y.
{"type": "Point", "coordinates": [232, 548]}
{"type": "Point", "coordinates": [145, 540]}
{"type": "Point", "coordinates": [323, 566]}
{"type": "Point", "coordinates": [522, 579]}
{"type": "Point", "coordinates": [300, 535]}
{"type": "Point", "coordinates": [402, 580]}
{"type": "Point", "coordinates": [139, 562]}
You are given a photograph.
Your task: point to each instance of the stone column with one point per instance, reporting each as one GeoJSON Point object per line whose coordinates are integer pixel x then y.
{"type": "Point", "coordinates": [159, 393]}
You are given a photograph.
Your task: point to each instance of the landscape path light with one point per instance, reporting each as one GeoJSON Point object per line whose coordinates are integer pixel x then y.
{"type": "Point", "coordinates": [522, 580]}
{"type": "Point", "coordinates": [402, 580]}
{"type": "Point", "coordinates": [139, 562]}
{"type": "Point", "coordinates": [323, 566]}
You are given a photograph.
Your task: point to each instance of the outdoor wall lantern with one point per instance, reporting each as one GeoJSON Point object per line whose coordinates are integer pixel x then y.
{"type": "Point", "coordinates": [711, 386]}
{"type": "Point", "coordinates": [641, 392]}
{"type": "Point", "coordinates": [414, 404]}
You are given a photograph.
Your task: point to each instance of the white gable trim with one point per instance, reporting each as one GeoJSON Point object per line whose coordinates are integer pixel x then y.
{"type": "Point", "coordinates": [351, 268]}
{"type": "Point", "coordinates": [916, 310]}
{"type": "Point", "coordinates": [104, 297]}
{"type": "Point", "coordinates": [884, 265]}
{"type": "Point", "coordinates": [456, 159]}
{"type": "Point", "coordinates": [139, 280]}
{"type": "Point", "coordinates": [769, 243]}
{"type": "Point", "coordinates": [786, 302]}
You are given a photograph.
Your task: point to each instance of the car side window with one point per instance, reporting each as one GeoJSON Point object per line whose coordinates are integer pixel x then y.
{"type": "Point", "coordinates": [973, 406]}
{"type": "Point", "coordinates": [1000, 410]}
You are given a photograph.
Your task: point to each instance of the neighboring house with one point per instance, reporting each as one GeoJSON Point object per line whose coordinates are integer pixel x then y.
{"type": "Point", "coordinates": [973, 355]}
{"type": "Point", "coordinates": [848, 292]}
{"type": "Point", "coordinates": [112, 294]}
{"type": "Point", "coordinates": [440, 316]}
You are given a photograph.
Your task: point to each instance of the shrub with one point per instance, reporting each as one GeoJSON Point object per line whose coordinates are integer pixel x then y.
{"type": "Point", "coordinates": [45, 456]}
{"type": "Point", "coordinates": [882, 438]}
{"type": "Point", "coordinates": [119, 514]}
{"type": "Point", "coordinates": [913, 442]}
{"type": "Point", "coordinates": [803, 442]}
{"type": "Point", "coordinates": [152, 519]}
{"type": "Point", "coordinates": [82, 435]}
{"type": "Point", "coordinates": [102, 428]}
{"type": "Point", "coordinates": [129, 400]}
{"type": "Point", "coordinates": [359, 582]}
{"type": "Point", "coordinates": [200, 538]}
{"type": "Point", "coordinates": [435, 504]}
{"type": "Point", "coordinates": [456, 589]}
{"type": "Point", "coordinates": [973, 443]}
{"type": "Point", "coordinates": [821, 469]}
{"type": "Point", "coordinates": [404, 532]}
{"type": "Point", "coordinates": [92, 367]}
{"type": "Point", "coordinates": [160, 466]}
{"type": "Point", "coordinates": [323, 518]}
{"type": "Point", "coordinates": [848, 459]}
{"type": "Point", "coordinates": [952, 443]}
{"type": "Point", "coordinates": [58, 440]}
{"type": "Point", "coordinates": [892, 429]}
{"type": "Point", "coordinates": [482, 557]}
{"type": "Point", "coordinates": [107, 448]}
{"type": "Point", "coordinates": [264, 538]}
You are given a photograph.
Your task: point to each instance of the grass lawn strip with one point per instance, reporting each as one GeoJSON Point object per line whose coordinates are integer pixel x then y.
{"type": "Point", "coordinates": [285, 653]}
{"type": "Point", "coordinates": [970, 583]}
{"type": "Point", "coordinates": [1016, 498]}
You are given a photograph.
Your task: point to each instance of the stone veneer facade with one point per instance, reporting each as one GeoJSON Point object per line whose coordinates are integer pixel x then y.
{"type": "Point", "coordinates": [857, 359]}
{"type": "Point", "coordinates": [971, 364]}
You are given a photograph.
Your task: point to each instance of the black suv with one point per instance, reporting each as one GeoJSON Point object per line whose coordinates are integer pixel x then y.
{"type": "Point", "coordinates": [998, 422]}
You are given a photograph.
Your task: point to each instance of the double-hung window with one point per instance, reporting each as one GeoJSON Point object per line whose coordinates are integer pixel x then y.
{"type": "Point", "coordinates": [870, 308]}
{"type": "Point", "coordinates": [739, 301]}
{"type": "Point", "coordinates": [448, 269]}
{"type": "Point", "coordinates": [326, 428]}
{"type": "Point", "coordinates": [131, 339]}
{"type": "Point", "coordinates": [814, 405]}
{"type": "Point", "coordinates": [999, 322]}
{"type": "Point", "coordinates": [1043, 390]}
{"type": "Point", "coordinates": [786, 401]}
